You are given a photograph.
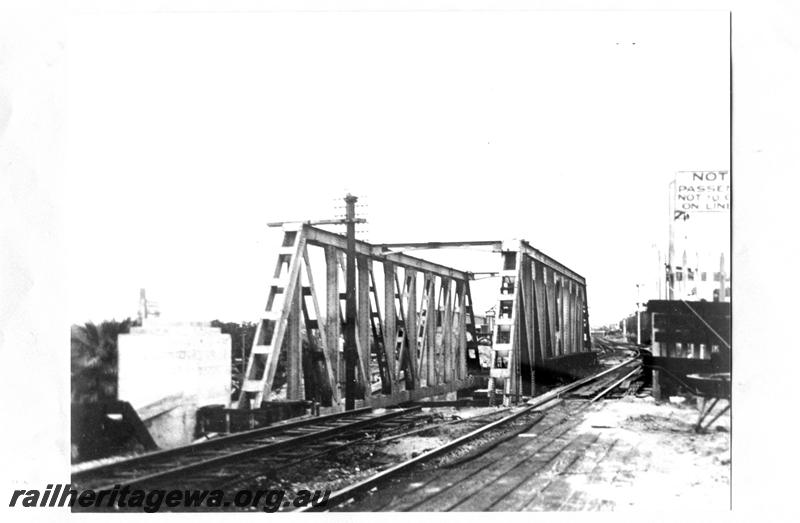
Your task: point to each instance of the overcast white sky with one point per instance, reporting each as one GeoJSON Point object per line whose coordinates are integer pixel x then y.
{"type": "Point", "coordinates": [188, 132]}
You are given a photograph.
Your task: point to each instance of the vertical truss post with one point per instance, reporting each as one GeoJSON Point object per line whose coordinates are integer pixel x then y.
{"type": "Point", "coordinates": [363, 327]}
{"type": "Point", "coordinates": [587, 335]}
{"type": "Point", "coordinates": [528, 316]}
{"type": "Point", "coordinates": [568, 338]}
{"type": "Point", "coordinates": [570, 327]}
{"type": "Point", "coordinates": [294, 343]}
{"type": "Point", "coordinates": [552, 340]}
{"type": "Point", "coordinates": [447, 332]}
{"type": "Point", "coordinates": [573, 342]}
{"type": "Point", "coordinates": [504, 364]}
{"type": "Point", "coordinates": [411, 358]}
{"type": "Point", "coordinates": [333, 314]}
{"type": "Point", "coordinates": [438, 322]}
{"type": "Point", "coordinates": [382, 351]}
{"type": "Point", "coordinates": [460, 369]}
{"type": "Point", "coordinates": [512, 386]}
{"type": "Point", "coordinates": [578, 319]}
{"type": "Point", "coordinates": [315, 329]}
{"type": "Point", "coordinates": [425, 307]}
{"type": "Point", "coordinates": [565, 349]}
{"type": "Point", "coordinates": [430, 335]}
{"type": "Point", "coordinates": [559, 293]}
{"type": "Point", "coordinates": [541, 312]}
{"type": "Point", "coordinates": [391, 336]}
{"type": "Point", "coordinates": [565, 283]}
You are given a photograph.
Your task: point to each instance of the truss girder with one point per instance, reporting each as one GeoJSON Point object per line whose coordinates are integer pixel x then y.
{"type": "Point", "coordinates": [541, 313]}
{"type": "Point", "coordinates": [415, 325]}
{"type": "Point", "coordinates": [410, 341]}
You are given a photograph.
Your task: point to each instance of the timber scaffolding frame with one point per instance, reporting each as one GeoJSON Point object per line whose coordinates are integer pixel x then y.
{"type": "Point", "coordinates": [416, 338]}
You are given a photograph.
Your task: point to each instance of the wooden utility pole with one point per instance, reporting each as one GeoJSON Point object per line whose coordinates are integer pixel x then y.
{"type": "Point", "coordinates": [350, 349]}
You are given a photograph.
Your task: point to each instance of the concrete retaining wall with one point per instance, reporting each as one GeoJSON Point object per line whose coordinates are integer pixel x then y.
{"type": "Point", "coordinates": [168, 370]}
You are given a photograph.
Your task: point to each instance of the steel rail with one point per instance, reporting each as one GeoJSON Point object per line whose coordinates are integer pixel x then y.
{"type": "Point", "coordinates": [218, 442]}
{"type": "Point", "coordinates": [434, 426]}
{"type": "Point", "coordinates": [367, 438]}
{"type": "Point", "coordinates": [344, 494]}
{"type": "Point", "coordinates": [237, 455]}
{"type": "Point", "coordinates": [556, 393]}
{"type": "Point", "coordinates": [382, 441]}
{"type": "Point", "coordinates": [614, 385]}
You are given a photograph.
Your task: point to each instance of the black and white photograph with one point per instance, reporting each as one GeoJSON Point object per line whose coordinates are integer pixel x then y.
{"type": "Point", "coordinates": [385, 257]}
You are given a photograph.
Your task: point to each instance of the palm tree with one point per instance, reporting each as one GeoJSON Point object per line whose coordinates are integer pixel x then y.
{"type": "Point", "coordinates": [94, 360]}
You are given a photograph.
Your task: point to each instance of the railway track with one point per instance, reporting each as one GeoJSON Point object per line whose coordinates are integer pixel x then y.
{"type": "Point", "coordinates": [583, 391]}
{"type": "Point", "coordinates": [297, 449]}
{"type": "Point", "coordinates": [614, 346]}
{"type": "Point", "coordinates": [211, 459]}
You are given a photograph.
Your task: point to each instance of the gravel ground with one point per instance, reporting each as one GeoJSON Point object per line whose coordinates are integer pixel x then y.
{"type": "Point", "coordinates": [359, 461]}
{"type": "Point", "coordinates": [675, 468]}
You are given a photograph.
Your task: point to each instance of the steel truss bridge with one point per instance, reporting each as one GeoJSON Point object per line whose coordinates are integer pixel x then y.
{"type": "Point", "coordinates": [414, 322]}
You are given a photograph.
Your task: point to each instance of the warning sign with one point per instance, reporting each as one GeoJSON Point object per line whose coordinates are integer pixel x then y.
{"type": "Point", "coordinates": [702, 191]}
